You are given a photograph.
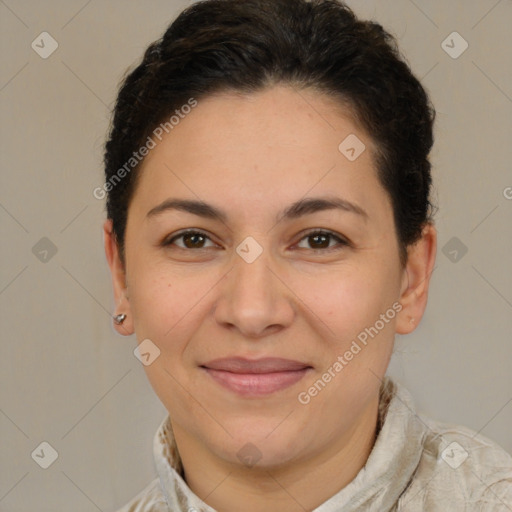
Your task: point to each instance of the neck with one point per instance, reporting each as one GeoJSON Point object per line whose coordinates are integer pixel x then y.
{"type": "Point", "coordinates": [295, 486]}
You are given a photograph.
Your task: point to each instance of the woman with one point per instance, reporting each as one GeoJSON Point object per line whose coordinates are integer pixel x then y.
{"type": "Point", "coordinates": [269, 232]}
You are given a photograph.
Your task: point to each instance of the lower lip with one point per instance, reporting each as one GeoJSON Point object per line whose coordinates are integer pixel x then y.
{"type": "Point", "coordinates": [256, 384]}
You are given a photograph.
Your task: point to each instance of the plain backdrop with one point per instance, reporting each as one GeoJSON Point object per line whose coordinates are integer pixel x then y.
{"type": "Point", "coordinates": [69, 380]}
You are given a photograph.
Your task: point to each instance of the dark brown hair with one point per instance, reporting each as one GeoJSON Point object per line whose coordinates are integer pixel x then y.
{"type": "Point", "coordinates": [248, 45]}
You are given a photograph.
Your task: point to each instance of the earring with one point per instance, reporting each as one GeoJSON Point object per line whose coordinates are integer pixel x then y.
{"type": "Point", "coordinates": [411, 320]}
{"type": "Point", "coordinates": [119, 319]}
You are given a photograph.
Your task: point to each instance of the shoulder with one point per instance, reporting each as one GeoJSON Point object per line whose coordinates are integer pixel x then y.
{"type": "Point", "coordinates": [150, 499]}
{"type": "Point", "coordinates": [459, 467]}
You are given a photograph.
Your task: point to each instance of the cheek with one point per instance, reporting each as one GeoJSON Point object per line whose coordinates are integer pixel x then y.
{"type": "Point", "coordinates": [347, 299]}
{"type": "Point", "coordinates": [351, 302]}
{"type": "Point", "coordinates": [161, 303]}
{"type": "Point", "coordinates": [165, 309]}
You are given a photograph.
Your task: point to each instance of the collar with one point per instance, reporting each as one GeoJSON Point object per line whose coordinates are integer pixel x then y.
{"type": "Point", "coordinates": [378, 485]}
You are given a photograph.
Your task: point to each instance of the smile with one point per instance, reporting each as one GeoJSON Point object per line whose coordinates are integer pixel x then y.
{"type": "Point", "coordinates": [256, 377]}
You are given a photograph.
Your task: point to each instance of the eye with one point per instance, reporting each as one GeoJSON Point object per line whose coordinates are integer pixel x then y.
{"type": "Point", "coordinates": [321, 238]}
{"type": "Point", "coordinates": [192, 240]}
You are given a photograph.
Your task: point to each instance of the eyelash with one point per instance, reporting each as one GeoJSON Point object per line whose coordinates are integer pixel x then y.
{"type": "Point", "coordinates": [342, 242]}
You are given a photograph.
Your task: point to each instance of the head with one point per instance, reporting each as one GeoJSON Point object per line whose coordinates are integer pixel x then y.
{"type": "Point", "coordinates": [292, 139]}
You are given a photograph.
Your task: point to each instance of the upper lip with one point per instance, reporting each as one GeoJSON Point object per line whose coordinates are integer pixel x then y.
{"type": "Point", "coordinates": [264, 365]}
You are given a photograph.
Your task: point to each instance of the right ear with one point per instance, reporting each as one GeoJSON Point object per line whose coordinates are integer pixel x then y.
{"type": "Point", "coordinates": [118, 274]}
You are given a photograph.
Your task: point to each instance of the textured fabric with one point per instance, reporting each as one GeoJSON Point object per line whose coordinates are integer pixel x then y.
{"type": "Point", "coordinates": [416, 464]}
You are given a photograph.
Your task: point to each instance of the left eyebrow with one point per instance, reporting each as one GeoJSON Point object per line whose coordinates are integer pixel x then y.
{"type": "Point", "coordinates": [298, 209]}
{"type": "Point", "coordinates": [311, 205]}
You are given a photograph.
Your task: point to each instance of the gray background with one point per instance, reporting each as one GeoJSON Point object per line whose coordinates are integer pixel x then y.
{"type": "Point", "coordinates": [70, 380]}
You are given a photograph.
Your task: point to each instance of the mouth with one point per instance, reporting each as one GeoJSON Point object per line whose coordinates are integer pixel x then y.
{"type": "Point", "coordinates": [256, 377]}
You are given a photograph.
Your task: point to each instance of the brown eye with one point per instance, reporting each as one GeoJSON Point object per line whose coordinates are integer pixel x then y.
{"type": "Point", "coordinates": [320, 240]}
{"type": "Point", "coordinates": [191, 240]}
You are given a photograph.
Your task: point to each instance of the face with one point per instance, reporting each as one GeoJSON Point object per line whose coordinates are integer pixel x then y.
{"type": "Point", "coordinates": [257, 278]}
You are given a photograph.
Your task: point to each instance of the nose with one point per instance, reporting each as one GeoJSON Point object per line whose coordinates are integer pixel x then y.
{"type": "Point", "coordinates": [254, 298]}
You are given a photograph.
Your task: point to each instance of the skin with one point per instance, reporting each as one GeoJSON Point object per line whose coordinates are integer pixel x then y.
{"type": "Point", "coordinates": [252, 156]}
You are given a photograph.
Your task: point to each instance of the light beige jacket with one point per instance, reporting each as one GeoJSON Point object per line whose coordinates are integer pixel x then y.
{"type": "Point", "coordinates": [416, 464]}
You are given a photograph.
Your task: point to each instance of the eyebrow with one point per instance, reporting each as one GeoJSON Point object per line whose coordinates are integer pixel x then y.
{"type": "Point", "coordinates": [298, 209]}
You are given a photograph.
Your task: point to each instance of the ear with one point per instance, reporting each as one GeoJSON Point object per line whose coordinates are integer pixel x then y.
{"type": "Point", "coordinates": [416, 279]}
{"type": "Point", "coordinates": [118, 274]}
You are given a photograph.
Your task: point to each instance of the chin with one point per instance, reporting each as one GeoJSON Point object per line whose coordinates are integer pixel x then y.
{"type": "Point", "coordinates": [260, 445]}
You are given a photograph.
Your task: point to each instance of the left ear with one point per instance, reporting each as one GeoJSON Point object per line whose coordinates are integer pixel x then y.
{"type": "Point", "coordinates": [416, 279]}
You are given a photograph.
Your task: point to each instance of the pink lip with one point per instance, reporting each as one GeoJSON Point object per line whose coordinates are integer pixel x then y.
{"type": "Point", "coordinates": [256, 377]}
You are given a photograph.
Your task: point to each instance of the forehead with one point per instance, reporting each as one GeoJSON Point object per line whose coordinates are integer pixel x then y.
{"type": "Point", "coordinates": [281, 143]}
{"type": "Point", "coordinates": [300, 121]}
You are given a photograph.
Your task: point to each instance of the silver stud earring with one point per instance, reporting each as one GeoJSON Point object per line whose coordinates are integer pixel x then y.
{"type": "Point", "coordinates": [119, 319]}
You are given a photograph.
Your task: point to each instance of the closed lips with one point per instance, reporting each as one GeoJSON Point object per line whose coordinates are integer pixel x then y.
{"type": "Point", "coordinates": [246, 366]}
{"type": "Point", "coordinates": [256, 378]}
